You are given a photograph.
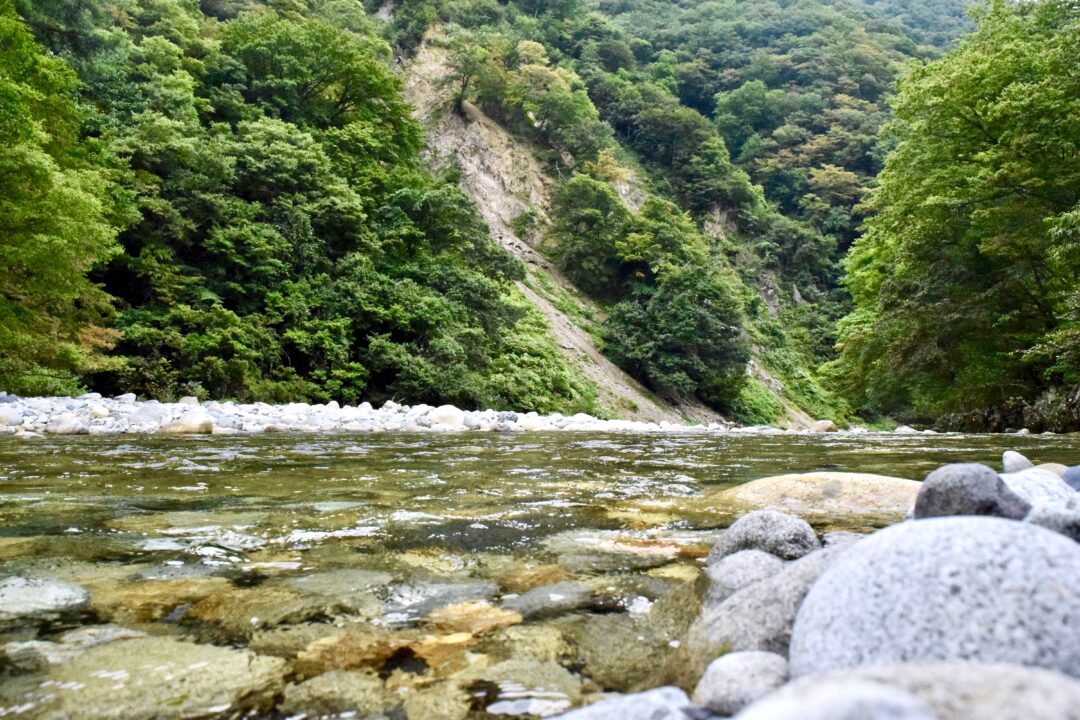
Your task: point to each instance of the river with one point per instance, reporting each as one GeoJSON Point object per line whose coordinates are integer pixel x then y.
{"type": "Point", "coordinates": [567, 559]}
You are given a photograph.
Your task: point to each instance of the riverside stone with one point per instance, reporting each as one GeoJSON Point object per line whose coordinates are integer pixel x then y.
{"type": "Point", "coordinates": [965, 690]}
{"type": "Point", "coordinates": [1062, 518]}
{"type": "Point", "coordinates": [833, 494]}
{"type": "Point", "coordinates": [10, 417]}
{"type": "Point", "coordinates": [1013, 461]}
{"type": "Point", "coordinates": [738, 570]}
{"type": "Point", "coordinates": [735, 680]}
{"type": "Point", "coordinates": [665, 703]}
{"type": "Point", "coordinates": [776, 533]}
{"type": "Point", "coordinates": [22, 597]}
{"type": "Point", "coordinates": [824, 426]}
{"type": "Point", "coordinates": [1072, 477]}
{"type": "Point", "coordinates": [196, 422]}
{"type": "Point", "coordinates": [67, 425]}
{"type": "Point", "coordinates": [761, 616]}
{"type": "Point", "coordinates": [961, 588]}
{"type": "Point", "coordinates": [1038, 486]}
{"type": "Point", "coordinates": [968, 489]}
{"type": "Point", "coordinates": [839, 700]}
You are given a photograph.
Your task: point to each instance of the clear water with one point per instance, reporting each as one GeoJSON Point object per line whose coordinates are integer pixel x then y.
{"type": "Point", "coordinates": [230, 526]}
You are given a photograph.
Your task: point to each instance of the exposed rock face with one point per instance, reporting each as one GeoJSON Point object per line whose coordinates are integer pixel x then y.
{"type": "Point", "coordinates": [968, 489]}
{"type": "Point", "coordinates": [735, 680]}
{"type": "Point", "coordinates": [833, 494]}
{"type": "Point", "coordinates": [963, 588]}
{"type": "Point", "coordinates": [776, 533]}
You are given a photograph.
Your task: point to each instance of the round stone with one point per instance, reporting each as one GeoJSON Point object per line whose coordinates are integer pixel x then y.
{"type": "Point", "coordinates": [968, 489]}
{"type": "Point", "coordinates": [733, 681]}
{"type": "Point", "coordinates": [776, 533]}
{"type": "Point", "coordinates": [961, 588]}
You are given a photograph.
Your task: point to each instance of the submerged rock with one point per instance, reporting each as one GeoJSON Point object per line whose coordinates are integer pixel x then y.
{"type": "Point", "coordinates": [152, 679]}
{"type": "Point", "coordinates": [776, 533]}
{"type": "Point", "coordinates": [22, 598]}
{"type": "Point", "coordinates": [963, 588]}
{"type": "Point", "coordinates": [334, 693]}
{"type": "Point", "coordinates": [665, 703]}
{"type": "Point", "coordinates": [830, 494]}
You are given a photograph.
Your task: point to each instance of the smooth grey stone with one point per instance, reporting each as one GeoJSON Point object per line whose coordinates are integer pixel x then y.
{"type": "Point", "coordinates": [22, 597]}
{"type": "Point", "coordinates": [665, 703]}
{"type": "Point", "coordinates": [839, 700]}
{"type": "Point", "coordinates": [761, 616]}
{"type": "Point", "coordinates": [1072, 477]}
{"type": "Point", "coordinates": [735, 680]}
{"type": "Point", "coordinates": [776, 533]}
{"type": "Point", "coordinates": [555, 599]}
{"type": "Point", "coordinates": [1013, 461]}
{"type": "Point", "coordinates": [734, 572]}
{"type": "Point", "coordinates": [969, 690]}
{"type": "Point", "coordinates": [1038, 486]}
{"type": "Point", "coordinates": [6, 399]}
{"type": "Point", "coordinates": [1062, 518]}
{"type": "Point", "coordinates": [960, 588]}
{"type": "Point", "coordinates": [968, 489]}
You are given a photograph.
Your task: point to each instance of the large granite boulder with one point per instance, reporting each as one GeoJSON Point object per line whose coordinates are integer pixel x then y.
{"type": "Point", "coordinates": [828, 494]}
{"type": "Point", "coordinates": [962, 588]}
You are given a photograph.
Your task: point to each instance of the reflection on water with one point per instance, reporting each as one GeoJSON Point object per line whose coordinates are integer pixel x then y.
{"type": "Point", "coordinates": [435, 575]}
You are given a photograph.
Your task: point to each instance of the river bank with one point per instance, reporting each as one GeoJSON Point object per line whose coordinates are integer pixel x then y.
{"type": "Point", "coordinates": [92, 414]}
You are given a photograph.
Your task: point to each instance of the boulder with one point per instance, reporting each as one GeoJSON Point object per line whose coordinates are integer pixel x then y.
{"type": "Point", "coordinates": [827, 494]}
{"type": "Point", "coordinates": [1013, 461]}
{"type": "Point", "coordinates": [1038, 486]}
{"type": "Point", "coordinates": [738, 570]}
{"type": "Point", "coordinates": [906, 430]}
{"type": "Point", "coordinates": [961, 588]}
{"type": "Point", "coordinates": [67, 425]}
{"type": "Point", "coordinates": [761, 616]}
{"type": "Point", "coordinates": [1056, 468]}
{"type": "Point", "coordinates": [22, 597]}
{"type": "Point", "coordinates": [1062, 518]}
{"type": "Point", "coordinates": [152, 678]}
{"type": "Point", "coordinates": [10, 417]}
{"type": "Point", "coordinates": [776, 533]}
{"type": "Point", "coordinates": [665, 703]}
{"type": "Point", "coordinates": [194, 422]}
{"type": "Point", "coordinates": [824, 426]}
{"type": "Point", "coordinates": [965, 690]}
{"type": "Point", "coordinates": [1072, 477]}
{"type": "Point", "coordinates": [447, 416]}
{"type": "Point", "coordinates": [968, 489]}
{"type": "Point", "coordinates": [735, 680]}
{"type": "Point", "coordinates": [838, 700]}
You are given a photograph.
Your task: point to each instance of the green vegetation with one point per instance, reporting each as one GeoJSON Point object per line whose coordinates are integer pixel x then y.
{"type": "Point", "coordinates": [965, 283]}
{"type": "Point", "coordinates": [280, 239]}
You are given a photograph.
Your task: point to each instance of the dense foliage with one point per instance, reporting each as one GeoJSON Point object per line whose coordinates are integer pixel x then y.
{"type": "Point", "coordinates": [54, 222]}
{"type": "Point", "coordinates": [965, 284]}
{"type": "Point", "coordinates": [281, 240]}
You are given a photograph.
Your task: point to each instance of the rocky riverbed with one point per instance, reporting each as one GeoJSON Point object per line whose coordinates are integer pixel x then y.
{"type": "Point", "coordinates": [497, 575]}
{"type": "Point", "coordinates": [92, 414]}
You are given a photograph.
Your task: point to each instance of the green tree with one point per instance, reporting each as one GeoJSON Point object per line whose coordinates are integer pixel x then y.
{"type": "Point", "coordinates": [54, 221]}
{"type": "Point", "coordinates": [965, 282]}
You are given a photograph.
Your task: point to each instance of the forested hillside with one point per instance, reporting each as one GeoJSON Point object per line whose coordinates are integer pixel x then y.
{"type": "Point", "coordinates": [244, 183]}
{"type": "Point", "coordinates": [226, 198]}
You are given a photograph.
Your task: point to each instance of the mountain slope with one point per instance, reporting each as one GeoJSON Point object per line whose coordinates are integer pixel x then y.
{"type": "Point", "coordinates": [505, 181]}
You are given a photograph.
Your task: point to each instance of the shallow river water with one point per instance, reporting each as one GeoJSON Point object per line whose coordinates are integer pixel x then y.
{"type": "Point", "coordinates": [401, 576]}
